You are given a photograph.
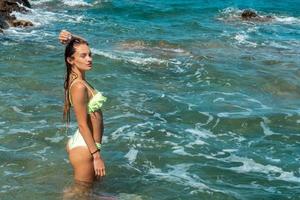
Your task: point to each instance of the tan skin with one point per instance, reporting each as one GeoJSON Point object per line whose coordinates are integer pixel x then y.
{"type": "Point", "coordinates": [87, 167]}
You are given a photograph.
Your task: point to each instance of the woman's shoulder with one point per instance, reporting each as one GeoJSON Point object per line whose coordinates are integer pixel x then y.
{"type": "Point", "coordinates": [78, 87]}
{"type": "Point", "coordinates": [77, 84]}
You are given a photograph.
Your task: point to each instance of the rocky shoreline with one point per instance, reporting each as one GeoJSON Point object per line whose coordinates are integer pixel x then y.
{"type": "Point", "coordinates": [7, 19]}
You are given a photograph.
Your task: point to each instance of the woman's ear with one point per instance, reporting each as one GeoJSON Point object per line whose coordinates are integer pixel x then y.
{"type": "Point", "coordinates": [70, 60]}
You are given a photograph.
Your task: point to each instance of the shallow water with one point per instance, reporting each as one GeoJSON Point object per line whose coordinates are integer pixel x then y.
{"type": "Point", "coordinates": [201, 105]}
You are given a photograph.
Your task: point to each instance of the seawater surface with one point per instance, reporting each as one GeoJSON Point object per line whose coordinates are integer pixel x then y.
{"type": "Point", "coordinates": [201, 104]}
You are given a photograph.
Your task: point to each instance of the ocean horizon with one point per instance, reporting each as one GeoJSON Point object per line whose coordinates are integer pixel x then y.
{"type": "Point", "coordinates": [201, 104]}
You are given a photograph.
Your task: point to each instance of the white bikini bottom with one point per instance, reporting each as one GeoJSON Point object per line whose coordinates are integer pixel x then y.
{"type": "Point", "coordinates": [76, 140]}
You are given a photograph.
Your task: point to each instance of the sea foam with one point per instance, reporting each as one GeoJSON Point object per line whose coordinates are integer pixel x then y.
{"type": "Point", "coordinates": [129, 57]}
{"type": "Point", "coordinates": [76, 3]}
{"type": "Point", "coordinates": [249, 165]}
{"type": "Point", "coordinates": [131, 155]}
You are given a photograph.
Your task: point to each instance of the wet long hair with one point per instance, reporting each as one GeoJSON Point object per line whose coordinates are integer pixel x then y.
{"type": "Point", "coordinates": [69, 52]}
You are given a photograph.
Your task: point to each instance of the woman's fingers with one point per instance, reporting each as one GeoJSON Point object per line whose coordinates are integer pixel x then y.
{"type": "Point", "coordinates": [103, 172]}
{"type": "Point", "coordinates": [97, 173]}
{"type": "Point", "coordinates": [64, 36]}
{"type": "Point", "coordinates": [100, 173]}
{"type": "Point", "coordinates": [65, 33]}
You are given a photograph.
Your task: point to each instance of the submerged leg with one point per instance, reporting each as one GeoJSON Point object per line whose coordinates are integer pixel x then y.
{"type": "Point", "coordinates": [78, 191]}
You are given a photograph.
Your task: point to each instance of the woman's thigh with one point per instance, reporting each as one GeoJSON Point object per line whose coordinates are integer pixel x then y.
{"type": "Point", "coordinates": [82, 162]}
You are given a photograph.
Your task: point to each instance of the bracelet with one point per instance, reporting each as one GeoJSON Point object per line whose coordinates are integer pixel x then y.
{"type": "Point", "coordinates": [94, 152]}
{"type": "Point", "coordinates": [98, 145]}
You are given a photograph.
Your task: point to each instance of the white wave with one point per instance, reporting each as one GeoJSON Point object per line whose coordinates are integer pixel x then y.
{"type": "Point", "coordinates": [229, 10]}
{"type": "Point", "coordinates": [19, 32]}
{"type": "Point", "coordinates": [219, 99]}
{"type": "Point", "coordinates": [179, 51]}
{"type": "Point", "coordinates": [6, 43]}
{"type": "Point", "coordinates": [242, 37]}
{"type": "Point", "coordinates": [208, 93]}
{"type": "Point", "coordinates": [181, 99]}
{"type": "Point", "coordinates": [179, 174]}
{"type": "Point", "coordinates": [253, 103]}
{"type": "Point", "coordinates": [76, 3]}
{"type": "Point", "coordinates": [220, 153]}
{"type": "Point", "coordinates": [158, 115]}
{"type": "Point", "coordinates": [173, 144]}
{"type": "Point", "coordinates": [258, 102]}
{"type": "Point", "coordinates": [252, 29]}
{"type": "Point", "coordinates": [249, 165]}
{"type": "Point", "coordinates": [236, 137]}
{"type": "Point", "coordinates": [117, 133]}
{"type": "Point", "coordinates": [125, 56]}
{"type": "Point", "coordinates": [210, 118]}
{"type": "Point", "coordinates": [273, 159]}
{"type": "Point", "coordinates": [288, 20]}
{"type": "Point", "coordinates": [170, 134]}
{"type": "Point", "coordinates": [8, 188]}
{"type": "Point", "coordinates": [40, 17]}
{"type": "Point", "coordinates": [125, 196]}
{"type": "Point", "coordinates": [39, 2]}
{"type": "Point", "coordinates": [180, 151]}
{"type": "Point", "coordinates": [21, 149]}
{"type": "Point", "coordinates": [18, 110]}
{"type": "Point", "coordinates": [216, 123]}
{"type": "Point", "coordinates": [18, 130]}
{"type": "Point", "coordinates": [124, 115]}
{"type": "Point", "coordinates": [278, 45]}
{"type": "Point", "coordinates": [197, 142]}
{"type": "Point", "coordinates": [131, 155]}
{"type": "Point", "coordinates": [44, 150]}
{"type": "Point", "coordinates": [266, 129]}
{"type": "Point", "coordinates": [201, 133]}
{"type": "Point", "coordinates": [55, 139]}
{"type": "Point", "coordinates": [229, 150]}
{"type": "Point", "coordinates": [232, 114]}
{"type": "Point", "coordinates": [230, 14]}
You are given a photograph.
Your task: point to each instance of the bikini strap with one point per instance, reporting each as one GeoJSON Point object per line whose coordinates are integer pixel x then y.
{"type": "Point", "coordinates": [84, 83]}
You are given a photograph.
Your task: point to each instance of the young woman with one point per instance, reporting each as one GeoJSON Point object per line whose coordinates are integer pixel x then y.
{"type": "Point", "coordinates": [84, 147]}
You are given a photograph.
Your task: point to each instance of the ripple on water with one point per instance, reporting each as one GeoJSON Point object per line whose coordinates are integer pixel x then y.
{"type": "Point", "coordinates": [272, 172]}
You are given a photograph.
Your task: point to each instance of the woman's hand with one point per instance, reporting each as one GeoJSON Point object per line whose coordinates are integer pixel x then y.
{"type": "Point", "coordinates": [64, 37]}
{"type": "Point", "coordinates": [99, 166]}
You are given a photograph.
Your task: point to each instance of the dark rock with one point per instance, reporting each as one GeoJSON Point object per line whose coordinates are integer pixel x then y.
{"type": "Point", "coordinates": [253, 16]}
{"type": "Point", "coordinates": [249, 14]}
{"type": "Point", "coordinates": [3, 23]}
{"type": "Point", "coordinates": [21, 23]}
{"type": "Point", "coordinates": [9, 6]}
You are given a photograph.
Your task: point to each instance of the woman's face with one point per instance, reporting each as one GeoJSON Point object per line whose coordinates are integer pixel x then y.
{"type": "Point", "coordinates": [82, 58]}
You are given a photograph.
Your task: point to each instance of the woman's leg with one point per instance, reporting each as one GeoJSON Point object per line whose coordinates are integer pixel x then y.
{"type": "Point", "coordinates": [82, 162]}
{"type": "Point", "coordinates": [78, 191]}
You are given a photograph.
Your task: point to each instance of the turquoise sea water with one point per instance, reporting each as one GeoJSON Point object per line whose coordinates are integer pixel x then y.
{"type": "Point", "coordinates": [201, 105]}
